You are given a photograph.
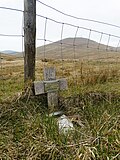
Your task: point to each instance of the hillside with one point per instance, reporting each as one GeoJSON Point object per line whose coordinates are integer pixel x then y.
{"type": "Point", "coordinates": [9, 52]}
{"type": "Point", "coordinates": [8, 57]}
{"type": "Point", "coordinates": [82, 49]}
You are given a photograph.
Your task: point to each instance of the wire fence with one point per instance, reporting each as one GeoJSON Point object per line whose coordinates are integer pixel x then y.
{"type": "Point", "coordinates": [88, 58]}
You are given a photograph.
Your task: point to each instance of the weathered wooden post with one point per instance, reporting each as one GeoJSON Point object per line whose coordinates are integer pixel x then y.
{"type": "Point", "coordinates": [51, 87]}
{"type": "Point", "coordinates": [29, 41]}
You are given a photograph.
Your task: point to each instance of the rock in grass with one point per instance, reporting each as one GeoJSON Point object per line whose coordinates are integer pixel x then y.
{"type": "Point", "coordinates": [56, 113]}
{"type": "Point", "coordinates": [65, 125]}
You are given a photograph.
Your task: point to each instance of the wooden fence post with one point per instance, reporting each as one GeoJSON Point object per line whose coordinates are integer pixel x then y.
{"type": "Point", "coordinates": [29, 40]}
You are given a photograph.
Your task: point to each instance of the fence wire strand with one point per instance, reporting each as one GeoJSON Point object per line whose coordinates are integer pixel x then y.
{"type": "Point", "coordinates": [78, 18]}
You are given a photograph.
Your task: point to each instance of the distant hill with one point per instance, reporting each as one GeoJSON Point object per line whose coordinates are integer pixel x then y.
{"type": "Point", "coordinates": [9, 52]}
{"type": "Point", "coordinates": [8, 57]}
{"type": "Point", "coordinates": [83, 47]}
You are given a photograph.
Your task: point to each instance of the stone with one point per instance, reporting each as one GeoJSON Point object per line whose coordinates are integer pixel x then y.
{"type": "Point", "coordinates": [49, 74]}
{"type": "Point", "coordinates": [58, 113]}
{"type": "Point", "coordinates": [65, 125]}
{"type": "Point", "coordinates": [52, 98]}
{"type": "Point", "coordinates": [39, 87]}
{"type": "Point", "coordinates": [51, 86]}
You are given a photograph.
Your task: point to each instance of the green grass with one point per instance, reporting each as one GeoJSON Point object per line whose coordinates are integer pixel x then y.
{"type": "Point", "coordinates": [92, 76]}
{"type": "Point", "coordinates": [27, 132]}
{"type": "Point", "coordinates": [10, 87]}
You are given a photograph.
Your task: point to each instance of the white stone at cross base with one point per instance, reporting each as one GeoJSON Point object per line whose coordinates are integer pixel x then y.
{"type": "Point", "coordinates": [51, 86]}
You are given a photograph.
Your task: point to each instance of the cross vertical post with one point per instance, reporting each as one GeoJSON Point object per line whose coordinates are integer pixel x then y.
{"type": "Point", "coordinates": [51, 87]}
{"type": "Point", "coordinates": [29, 40]}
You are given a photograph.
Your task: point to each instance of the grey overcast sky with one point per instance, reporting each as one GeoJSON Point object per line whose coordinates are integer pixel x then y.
{"type": "Point", "coordinates": [100, 10]}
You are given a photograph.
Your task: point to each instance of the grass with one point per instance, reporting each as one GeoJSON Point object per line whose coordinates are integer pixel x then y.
{"type": "Point", "coordinates": [92, 102]}
{"type": "Point", "coordinates": [86, 76]}
{"type": "Point", "coordinates": [27, 132]}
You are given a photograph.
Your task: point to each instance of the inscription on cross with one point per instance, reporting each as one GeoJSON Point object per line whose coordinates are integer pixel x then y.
{"type": "Point", "coordinates": [51, 86]}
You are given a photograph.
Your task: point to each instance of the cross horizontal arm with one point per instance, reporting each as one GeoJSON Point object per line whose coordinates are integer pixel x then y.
{"type": "Point", "coordinates": [42, 87]}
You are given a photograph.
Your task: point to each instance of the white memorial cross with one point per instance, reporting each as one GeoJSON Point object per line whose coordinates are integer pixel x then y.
{"type": "Point", "coordinates": [51, 86]}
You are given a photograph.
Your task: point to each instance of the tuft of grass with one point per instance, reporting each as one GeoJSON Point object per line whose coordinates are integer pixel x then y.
{"type": "Point", "coordinates": [27, 132]}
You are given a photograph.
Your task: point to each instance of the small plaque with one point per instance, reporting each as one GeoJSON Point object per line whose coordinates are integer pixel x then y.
{"type": "Point", "coordinates": [39, 87]}
{"type": "Point", "coordinates": [63, 84]}
{"type": "Point", "coordinates": [49, 74]}
{"type": "Point", "coordinates": [51, 86]}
